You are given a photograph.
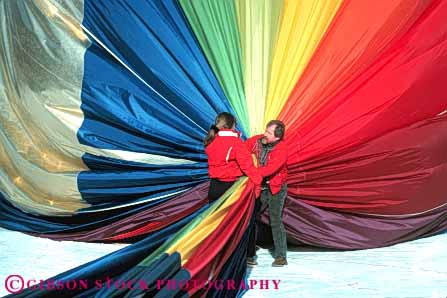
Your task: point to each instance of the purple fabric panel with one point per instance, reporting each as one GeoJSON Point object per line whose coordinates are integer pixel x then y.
{"type": "Point", "coordinates": [306, 224]}
{"type": "Point", "coordinates": [163, 214]}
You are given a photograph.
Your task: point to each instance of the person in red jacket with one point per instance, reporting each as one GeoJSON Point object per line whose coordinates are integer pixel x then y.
{"type": "Point", "coordinates": [228, 157]}
{"type": "Point", "coordinates": [271, 152]}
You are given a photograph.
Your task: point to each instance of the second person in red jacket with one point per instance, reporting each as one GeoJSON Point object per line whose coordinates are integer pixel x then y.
{"type": "Point", "coordinates": [271, 151]}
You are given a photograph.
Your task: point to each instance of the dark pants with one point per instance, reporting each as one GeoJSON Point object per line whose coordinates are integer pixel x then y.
{"type": "Point", "coordinates": [275, 204]}
{"type": "Point", "coordinates": [251, 251]}
{"type": "Point", "coordinates": [217, 188]}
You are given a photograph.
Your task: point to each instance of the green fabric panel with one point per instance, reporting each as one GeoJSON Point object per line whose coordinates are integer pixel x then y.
{"type": "Point", "coordinates": [215, 26]}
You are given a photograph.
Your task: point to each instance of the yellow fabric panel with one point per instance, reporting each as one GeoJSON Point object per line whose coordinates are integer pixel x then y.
{"type": "Point", "coordinates": [303, 24]}
{"type": "Point", "coordinates": [195, 237]}
{"type": "Point", "coordinates": [40, 114]}
{"type": "Point", "coordinates": [39, 172]}
{"type": "Point", "coordinates": [258, 23]}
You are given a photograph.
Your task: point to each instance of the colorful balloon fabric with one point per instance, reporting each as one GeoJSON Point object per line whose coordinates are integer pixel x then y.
{"type": "Point", "coordinates": [104, 105]}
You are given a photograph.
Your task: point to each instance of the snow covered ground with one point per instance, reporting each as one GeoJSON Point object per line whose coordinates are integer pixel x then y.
{"type": "Point", "coordinates": [416, 269]}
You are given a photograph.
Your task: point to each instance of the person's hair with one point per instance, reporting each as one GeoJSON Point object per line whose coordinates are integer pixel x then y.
{"type": "Point", "coordinates": [280, 128]}
{"type": "Point", "coordinates": [223, 120]}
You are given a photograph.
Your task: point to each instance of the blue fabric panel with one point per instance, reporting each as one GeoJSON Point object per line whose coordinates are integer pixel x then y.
{"type": "Point", "coordinates": [112, 265]}
{"type": "Point", "coordinates": [164, 105]}
{"type": "Point", "coordinates": [16, 220]}
{"type": "Point", "coordinates": [121, 112]}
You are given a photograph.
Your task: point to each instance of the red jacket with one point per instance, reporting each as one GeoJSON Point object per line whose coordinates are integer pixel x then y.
{"type": "Point", "coordinates": [276, 165]}
{"type": "Point", "coordinates": [229, 159]}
